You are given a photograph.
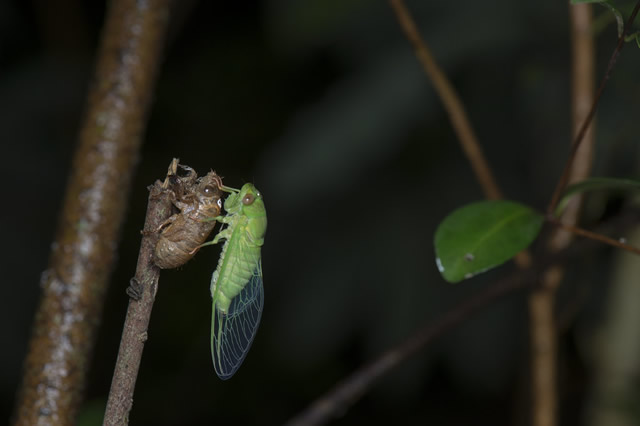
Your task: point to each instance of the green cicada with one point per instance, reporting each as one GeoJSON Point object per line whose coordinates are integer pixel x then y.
{"type": "Point", "coordinates": [236, 284]}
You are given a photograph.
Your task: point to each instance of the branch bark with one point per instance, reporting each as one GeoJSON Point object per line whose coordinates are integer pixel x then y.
{"type": "Point", "coordinates": [82, 254]}
{"type": "Point", "coordinates": [134, 334]}
{"type": "Point", "coordinates": [542, 300]}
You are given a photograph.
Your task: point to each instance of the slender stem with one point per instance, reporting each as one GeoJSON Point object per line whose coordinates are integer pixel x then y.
{"type": "Point", "coordinates": [451, 101]}
{"type": "Point", "coordinates": [564, 178]}
{"type": "Point", "coordinates": [456, 111]}
{"type": "Point", "coordinates": [594, 236]}
{"type": "Point", "coordinates": [543, 352]}
{"type": "Point", "coordinates": [582, 98]}
{"type": "Point", "coordinates": [134, 333]}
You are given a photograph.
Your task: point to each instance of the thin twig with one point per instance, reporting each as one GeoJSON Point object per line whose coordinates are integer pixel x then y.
{"type": "Point", "coordinates": [452, 103]}
{"type": "Point", "coordinates": [594, 236]}
{"type": "Point", "coordinates": [134, 333]}
{"type": "Point", "coordinates": [82, 255]}
{"type": "Point", "coordinates": [456, 111]}
{"type": "Point", "coordinates": [564, 178]}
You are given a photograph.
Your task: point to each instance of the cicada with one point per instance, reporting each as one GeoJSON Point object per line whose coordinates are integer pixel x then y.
{"type": "Point", "coordinates": [199, 203]}
{"type": "Point", "coordinates": [236, 284]}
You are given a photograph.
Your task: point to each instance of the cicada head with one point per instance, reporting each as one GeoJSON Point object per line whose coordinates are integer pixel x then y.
{"type": "Point", "coordinates": [209, 194]}
{"type": "Point", "coordinates": [251, 200]}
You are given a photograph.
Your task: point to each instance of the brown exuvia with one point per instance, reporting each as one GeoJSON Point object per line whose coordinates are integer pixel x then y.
{"type": "Point", "coordinates": [199, 202]}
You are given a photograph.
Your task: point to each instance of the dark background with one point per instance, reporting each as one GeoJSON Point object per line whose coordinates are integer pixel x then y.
{"type": "Point", "coordinates": [324, 107]}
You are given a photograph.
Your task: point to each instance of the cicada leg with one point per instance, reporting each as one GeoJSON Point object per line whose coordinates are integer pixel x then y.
{"type": "Point", "coordinates": [134, 291]}
{"type": "Point", "coordinates": [224, 234]}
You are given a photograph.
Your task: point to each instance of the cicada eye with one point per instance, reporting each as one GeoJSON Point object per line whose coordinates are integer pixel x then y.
{"type": "Point", "coordinates": [209, 191]}
{"type": "Point", "coordinates": [173, 179]}
{"type": "Point", "coordinates": [248, 199]}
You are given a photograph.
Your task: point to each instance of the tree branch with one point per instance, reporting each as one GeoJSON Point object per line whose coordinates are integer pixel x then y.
{"type": "Point", "coordinates": [543, 332]}
{"type": "Point", "coordinates": [134, 334]}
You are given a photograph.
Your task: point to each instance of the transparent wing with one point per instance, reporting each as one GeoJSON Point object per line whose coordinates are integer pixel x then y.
{"type": "Point", "coordinates": [233, 332]}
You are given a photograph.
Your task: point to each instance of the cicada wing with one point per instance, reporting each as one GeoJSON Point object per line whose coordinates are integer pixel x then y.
{"type": "Point", "coordinates": [233, 332]}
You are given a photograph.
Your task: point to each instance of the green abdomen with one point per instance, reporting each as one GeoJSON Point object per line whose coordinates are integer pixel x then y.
{"type": "Point", "coordinates": [238, 263]}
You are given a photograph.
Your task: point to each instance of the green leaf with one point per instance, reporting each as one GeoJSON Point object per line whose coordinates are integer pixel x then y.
{"type": "Point", "coordinates": [483, 235]}
{"type": "Point", "coordinates": [594, 183]}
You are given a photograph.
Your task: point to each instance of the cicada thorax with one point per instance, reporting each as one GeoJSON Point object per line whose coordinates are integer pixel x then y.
{"type": "Point", "coordinates": [198, 202]}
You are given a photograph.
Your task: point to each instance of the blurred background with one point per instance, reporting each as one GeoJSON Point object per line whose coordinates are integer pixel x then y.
{"type": "Point", "coordinates": [324, 107]}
